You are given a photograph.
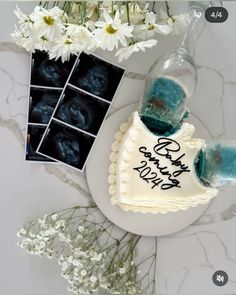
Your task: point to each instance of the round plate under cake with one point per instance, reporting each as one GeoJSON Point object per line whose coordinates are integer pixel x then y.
{"type": "Point", "coordinates": [146, 224]}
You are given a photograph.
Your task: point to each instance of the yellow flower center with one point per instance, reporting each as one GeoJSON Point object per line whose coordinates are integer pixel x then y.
{"type": "Point", "coordinates": [151, 27]}
{"type": "Point", "coordinates": [111, 30]}
{"type": "Point", "coordinates": [49, 20]}
{"type": "Point", "coordinates": [68, 41]}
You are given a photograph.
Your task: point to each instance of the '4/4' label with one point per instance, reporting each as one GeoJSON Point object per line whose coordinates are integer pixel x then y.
{"type": "Point", "coordinates": [216, 14]}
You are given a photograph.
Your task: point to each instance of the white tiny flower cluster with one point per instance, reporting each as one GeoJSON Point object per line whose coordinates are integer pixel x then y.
{"type": "Point", "coordinates": [84, 270]}
{"type": "Point", "coordinates": [87, 272]}
{"type": "Point", "coordinates": [90, 25]}
{"type": "Point", "coordinates": [122, 277]}
{"type": "Point", "coordinates": [89, 266]}
{"type": "Point", "coordinates": [41, 243]}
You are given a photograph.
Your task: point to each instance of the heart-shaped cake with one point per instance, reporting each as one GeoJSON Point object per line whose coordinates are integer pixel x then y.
{"type": "Point", "coordinates": [150, 173]}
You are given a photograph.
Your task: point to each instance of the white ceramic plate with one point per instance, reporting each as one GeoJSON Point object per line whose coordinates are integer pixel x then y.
{"type": "Point", "coordinates": [97, 173]}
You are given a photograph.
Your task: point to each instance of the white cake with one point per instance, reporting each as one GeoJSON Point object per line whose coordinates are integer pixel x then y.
{"type": "Point", "coordinates": [150, 173]}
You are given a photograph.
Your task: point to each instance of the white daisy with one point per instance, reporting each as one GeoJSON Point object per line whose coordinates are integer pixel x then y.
{"type": "Point", "coordinates": [64, 47]}
{"type": "Point", "coordinates": [178, 23]}
{"type": "Point", "coordinates": [43, 44]}
{"type": "Point", "coordinates": [136, 13]}
{"type": "Point", "coordinates": [85, 39]}
{"type": "Point", "coordinates": [91, 8]}
{"type": "Point", "coordinates": [24, 40]}
{"type": "Point", "coordinates": [47, 22]}
{"type": "Point", "coordinates": [26, 24]}
{"type": "Point", "coordinates": [164, 18]}
{"type": "Point", "coordinates": [125, 52]}
{"type": "Point", "coordinates": [111, 31]}
{"type": "Point", "coordinates": [150, 26]}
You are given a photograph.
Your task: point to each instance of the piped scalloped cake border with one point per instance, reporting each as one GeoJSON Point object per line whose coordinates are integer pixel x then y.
{"type": "Point", "coordinates": [168, 205]}
{"type": "Point", "coordinates": [113, 157]}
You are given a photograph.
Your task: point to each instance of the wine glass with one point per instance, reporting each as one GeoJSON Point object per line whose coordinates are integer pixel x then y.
{"type": "Point", "coordinates": [170, 83]}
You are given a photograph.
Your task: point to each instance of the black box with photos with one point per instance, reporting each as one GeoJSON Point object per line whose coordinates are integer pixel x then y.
{"type": "Point", "coordinates": [96, 76]}
{"type": "Point", "coordinates": [66, 144]}
{"type": "Point", "coordinates": [49, 72]}
{"type": "Point", "coordinates": [42, 103]}
{"type": "Point", "coordinates": [34, 135]}
{"type": "Point", "coordinates": [81, 110]}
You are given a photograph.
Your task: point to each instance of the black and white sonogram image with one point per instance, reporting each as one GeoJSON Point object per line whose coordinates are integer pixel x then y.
{"type": "Point", "coordinates": [96, 76]}
{"type": "Point", "coordinates": [34, 136]}
{"type": "Point", "coordinates": [81, 110]}
{"type": "Point", "coordinates": [42, 104]}
{"type": "Point", "coordinates": [66, 144]}
{"type": "Point", "coordinates": [49, 72]}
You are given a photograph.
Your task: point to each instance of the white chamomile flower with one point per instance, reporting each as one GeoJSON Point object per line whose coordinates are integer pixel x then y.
{"type": "Point", "coordinates": [47, 22]}
{"type": "Point", "coordinates": [111, 31]}
{"type": "Point", "coordinates": [24, 40]}
{"type": "Point", "coordinates": [164, 18]}
{"type": "Point", "coordinates": [64, 47]}
{"type": "Point", "coordinates": [22, 17]}
{"type": "Point", "coordinates": [125, 52]}
{"type": "Point", "coordinates": [26, 25]}
{"type": "Point", "coordinates": [178, 23]}
{"type": "Point", "coordinates": [91, 8]}
{"type": "Point", "coordinates": [150, 27]}
{"type": "Point", "coordinates": [136, 13]}
{"type": "Point", "coordinates": [84, 38]}
{"type": "Point", "coordinates": [43, 43]}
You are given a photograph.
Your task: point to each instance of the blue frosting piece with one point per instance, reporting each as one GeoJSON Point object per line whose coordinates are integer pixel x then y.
{"type": "Point", "coordinates": [160, 109]}
{"type": "Point", "coordinates": [217, 165]}
{"type": "Point", "coordinates": [168, 91]}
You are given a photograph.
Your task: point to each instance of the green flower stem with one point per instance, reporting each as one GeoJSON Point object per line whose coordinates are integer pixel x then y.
{"type": "Point", "coordinates": [127, 11]}
{"type": "Point", "coordinates": [134, 245]}
{"type": "Point", "coordinates": [153, 6]}
{"type": "Point", "coordinates": [114, 244]}
{"type": "Point", "coordinates": [168, 10]}
{"type": "Point", "coordinates": [146, 259]}
{"type": "Point", "coordinates": [112, 7]}
{"type": "Point", "coordinates": [155, 267]}
{"type": "Point", "coordinates": [98, 10]}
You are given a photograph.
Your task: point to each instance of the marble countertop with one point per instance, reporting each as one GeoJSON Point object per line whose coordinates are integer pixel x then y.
{"type": "Point", "coordinates": [187, 259]}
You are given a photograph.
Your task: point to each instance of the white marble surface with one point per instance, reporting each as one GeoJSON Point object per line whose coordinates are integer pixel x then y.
{"type": "Point", "coordinates": [186, 260]}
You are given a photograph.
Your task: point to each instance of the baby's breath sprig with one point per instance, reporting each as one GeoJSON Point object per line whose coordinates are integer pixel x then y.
{"type": "Point", "coordinates": [94, 255]}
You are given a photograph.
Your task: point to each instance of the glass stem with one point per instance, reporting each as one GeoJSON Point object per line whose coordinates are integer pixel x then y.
{"type": "Point", "coordinates": [195, 15]}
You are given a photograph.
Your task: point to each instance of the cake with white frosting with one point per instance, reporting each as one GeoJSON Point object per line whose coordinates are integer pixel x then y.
{"type": "Point", "coordinates": [151, 173]}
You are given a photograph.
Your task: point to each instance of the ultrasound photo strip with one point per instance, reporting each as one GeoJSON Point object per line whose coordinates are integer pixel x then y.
{"type": "Point", "coordinates": [34, 135]}
{"type": "Point", "coordinates": [66, 144]}
{"type": "Point", "coordinates": [49, 73]}
{"type": "Point", "coordinates": [73, 128]}
{"type": "Point", "coordinates": [46, 82]}
{"type": "Point", "coordinates": [41, 105]}
{"type": "Point", "coordinates": [81, 111]}
{"type": "Point", "coordinates": [97, 76]}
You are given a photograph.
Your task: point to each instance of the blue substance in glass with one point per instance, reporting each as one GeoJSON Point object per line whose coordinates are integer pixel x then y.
{"type": "Point", "coordinates": [160, 111]}
{"type": "Point", "coordinates": [168, 92]}
{"type": "Point", "coordinates": [217, 165]}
